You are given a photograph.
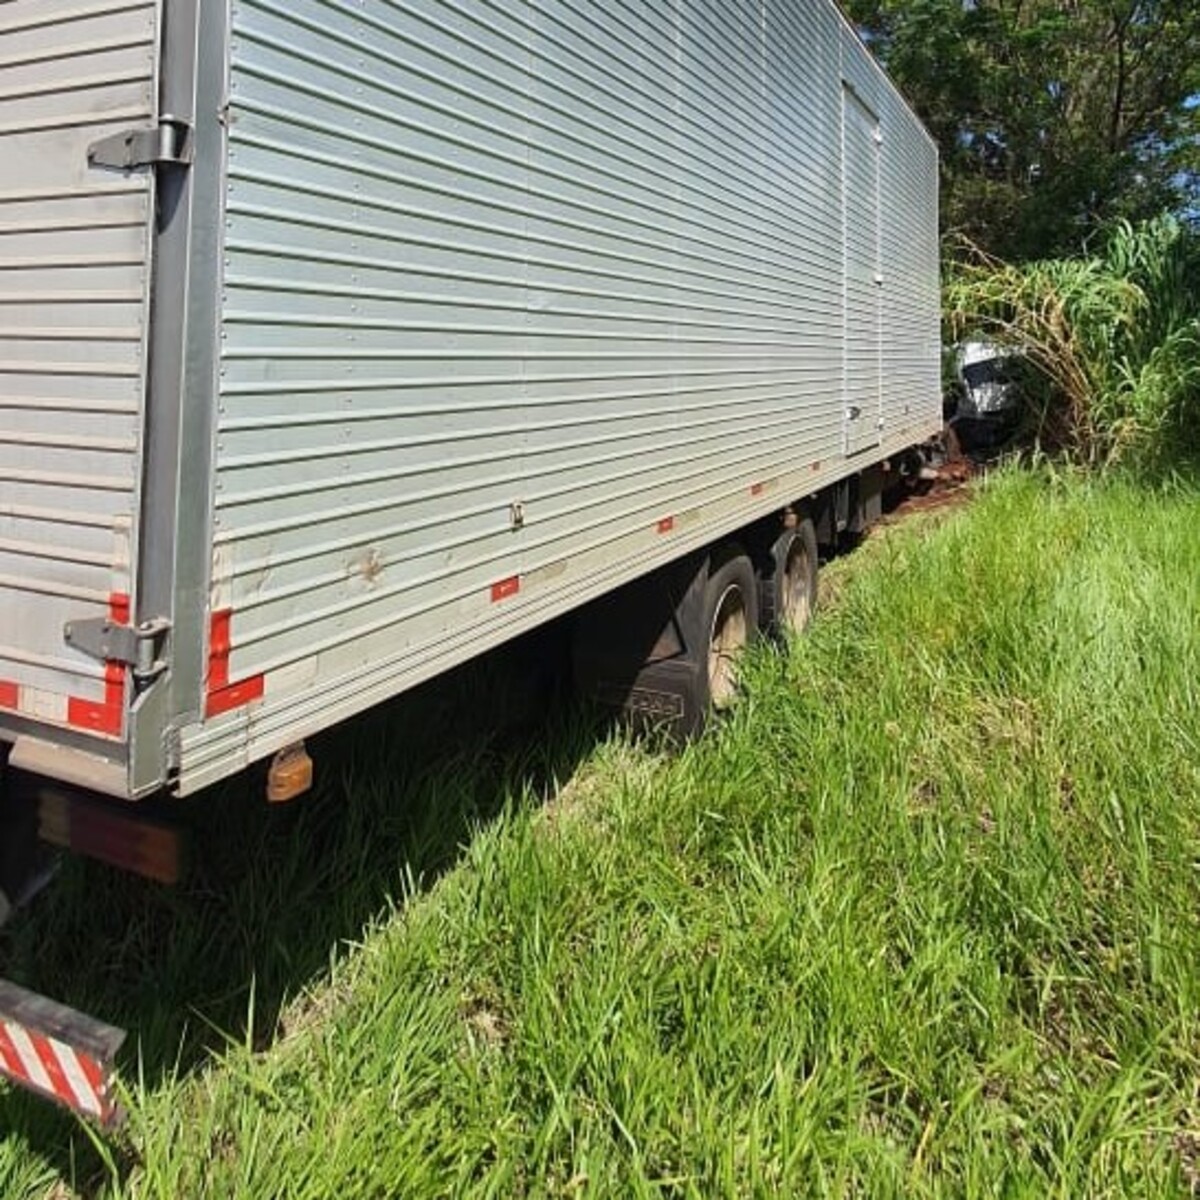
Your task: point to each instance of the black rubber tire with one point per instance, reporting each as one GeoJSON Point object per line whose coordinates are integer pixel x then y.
{"type": "Point", "coordinates": [731, 602]}
{"type": "Point", "coordinates": [787, 584]}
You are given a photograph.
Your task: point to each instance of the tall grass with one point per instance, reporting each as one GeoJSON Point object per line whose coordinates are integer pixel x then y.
{"type": "Point", "coordinates": [920, 918]}
{"type": "Point", "coordinates": [1114, 338]}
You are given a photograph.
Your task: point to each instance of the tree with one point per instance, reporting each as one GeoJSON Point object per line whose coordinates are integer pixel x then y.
{"type": "Point", "coordinates": [1055, 118]}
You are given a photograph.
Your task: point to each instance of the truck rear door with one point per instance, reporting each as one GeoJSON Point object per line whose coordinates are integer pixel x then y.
{"type": "Point", "coordinates": [77, 107]}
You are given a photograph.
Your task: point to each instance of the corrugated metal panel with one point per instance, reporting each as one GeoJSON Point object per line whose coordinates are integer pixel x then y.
{"type": "Point", "coordinates": [911, 337]}
{"type": "Point", "coordinates": [73, 281]}
{"type": "Point", "coordinates": [862, 364]}
{"type": "Point", "coordinates": [584, 259]}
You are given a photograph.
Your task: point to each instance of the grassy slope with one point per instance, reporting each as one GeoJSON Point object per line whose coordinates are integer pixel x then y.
{"type": "Point", "coordinates": [922, 917]}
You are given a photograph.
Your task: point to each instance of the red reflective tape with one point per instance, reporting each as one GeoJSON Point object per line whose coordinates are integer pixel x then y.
{"type": "Point", "coordinates": [118, 608]}
{"type": "Point", "coordinates": [10, 694]}
{"type": "Point", "coordinates": [10, 1061]}
{"type": "Point", "coordinates": [93, 1072]}
{"type": "Point", "coordinates": [54, 1069]}
{"type": "Point", "coordinates": [666, 525]}
{"type": "Point", "coordinates": [223, 695]}
{"type": "Point", "coordinates": [756, 489]}
{"type": "Point", "coordinates": [218, 649]}
{"type": "Point", "coordinates": [234, 696]}
{"type": "Point", "coordinates": [106, 716]}
{"type": "Point", "coordinates": [505, 588]}
{"type": "Point", "coordinates": [50, 1065]}
{"type": "Point", "coordinates": [59, 1082]}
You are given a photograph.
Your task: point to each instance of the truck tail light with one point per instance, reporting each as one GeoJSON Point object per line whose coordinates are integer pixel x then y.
{"type": "Point", "coordinates": [121, 837]}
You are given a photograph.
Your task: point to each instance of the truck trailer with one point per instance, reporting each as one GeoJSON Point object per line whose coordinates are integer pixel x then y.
{"type": "Point", "coordinates": [344, 340]}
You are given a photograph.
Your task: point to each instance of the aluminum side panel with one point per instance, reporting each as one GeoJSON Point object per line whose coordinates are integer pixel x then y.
{"type": "Point", "coordinates": [862, 285]}
{"type": "Point", "coordinates": [580, 264]}
{"type": "Point", "coordinates": [911, 291]}
{"type": "Point", "coordinates": [74, 268]}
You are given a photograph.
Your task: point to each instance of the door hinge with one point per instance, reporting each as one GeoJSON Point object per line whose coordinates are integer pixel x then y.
{"type": "Point", "coordinates": [140, 647]}
{"type": "Point", "coordinates": [169, 143]}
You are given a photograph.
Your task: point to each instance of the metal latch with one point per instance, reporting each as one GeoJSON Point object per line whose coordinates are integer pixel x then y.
{"type": "Point", "coordinates": [169, 143]}
{"type": "Point", "coordinates": [137, 646]}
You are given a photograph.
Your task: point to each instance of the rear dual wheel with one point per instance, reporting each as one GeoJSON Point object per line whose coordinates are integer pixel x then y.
{"type": "Point", "coordinates": [666, 648]}
{"type": "Point", "coordinates": [730, 619]}
{"type": "Point", "coordinates": [788, 583]}
{"type": "Point", "coordinates": [780, 600]}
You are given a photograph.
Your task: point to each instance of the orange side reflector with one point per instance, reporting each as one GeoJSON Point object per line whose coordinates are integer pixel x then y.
{"type": "Point", "coordinates": [291, 774]}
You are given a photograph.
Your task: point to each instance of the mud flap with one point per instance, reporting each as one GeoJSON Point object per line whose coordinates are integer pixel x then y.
{"type": "Point", "coordinates": [636, 650]}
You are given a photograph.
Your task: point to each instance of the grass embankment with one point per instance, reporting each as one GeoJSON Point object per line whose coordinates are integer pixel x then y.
{"type": "Point", "coordinates": [921, 917]}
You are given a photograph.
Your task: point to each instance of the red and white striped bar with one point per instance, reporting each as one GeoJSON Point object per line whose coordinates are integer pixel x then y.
{"type": "Point", "coordinates": [58, 1053]}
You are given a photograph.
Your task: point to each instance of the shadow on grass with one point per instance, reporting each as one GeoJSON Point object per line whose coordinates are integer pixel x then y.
{"type": "Point", "coordinates": [271, 894]}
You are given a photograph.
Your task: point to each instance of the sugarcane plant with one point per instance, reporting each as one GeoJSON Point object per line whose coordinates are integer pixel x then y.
{"type": "Point", "coordinates": [1113, 340]}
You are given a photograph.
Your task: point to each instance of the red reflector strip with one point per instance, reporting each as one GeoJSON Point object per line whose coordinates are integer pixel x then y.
{"type": "Point", "coordinates": [58, 1053]}
{"type": "Point", "coordinates": [218, 650]}
{"type": "Point", "coordinates": [106, 716]}
{"type": "Point", "coordinates": [234, 696]}
{"type": "Point", "coordinates": [666, 524]}
{"type": "Point", "coordinates": [756, 489]}
{"type": "Point", "coordinates": [10, 694]}
{"type": "Point", "coordinates": [103, 717]}
{"type": "Point", "coordinates": [223, 695]}
{"type": "Point", "coordinates": [505, 588]}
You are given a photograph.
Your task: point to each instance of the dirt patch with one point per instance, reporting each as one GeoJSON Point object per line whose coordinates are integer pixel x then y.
{"type": "Point", "coordinates": [951, 488]}
{"type": "Point", "coordinates": [1187, 1146]}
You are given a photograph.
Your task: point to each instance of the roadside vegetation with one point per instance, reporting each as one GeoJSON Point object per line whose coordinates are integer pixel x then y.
{"type": "Point", "coordinates": [921, 916]}
{"type": "Point", "coordinates": [1113, 340]}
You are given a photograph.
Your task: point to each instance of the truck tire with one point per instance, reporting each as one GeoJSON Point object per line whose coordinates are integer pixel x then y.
{"type": "Point", "coordinates": [730, 621]}
{"type": "Point", "coordinates": [787, 585]}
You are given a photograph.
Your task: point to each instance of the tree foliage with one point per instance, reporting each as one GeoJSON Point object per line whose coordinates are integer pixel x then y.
{"type": "Point", "coordinates": [1054, 117]}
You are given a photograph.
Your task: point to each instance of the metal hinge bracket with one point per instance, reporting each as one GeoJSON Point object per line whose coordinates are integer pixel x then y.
{"type": "Point", "coordinates": [140, 647]}
{"type": "Point", "coordinates": [169, 143]}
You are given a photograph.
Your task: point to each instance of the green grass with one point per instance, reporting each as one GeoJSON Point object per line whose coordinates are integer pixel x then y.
{"type": "Point", "coordinates": [921, 917]}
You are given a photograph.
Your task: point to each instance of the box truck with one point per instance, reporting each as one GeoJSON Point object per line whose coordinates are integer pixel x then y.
{"type": "Point", "coordinates": [343, 340]}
